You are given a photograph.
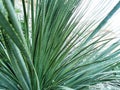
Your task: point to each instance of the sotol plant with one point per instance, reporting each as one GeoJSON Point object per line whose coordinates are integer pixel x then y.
{"type": "Point", "coordinates": [63, 49]}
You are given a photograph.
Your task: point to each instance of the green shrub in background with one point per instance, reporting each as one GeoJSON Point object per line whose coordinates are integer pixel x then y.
{"type": "Point", "coordinates": [58, 52]}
